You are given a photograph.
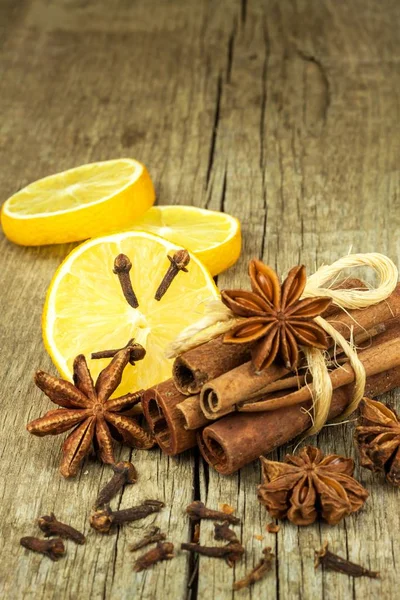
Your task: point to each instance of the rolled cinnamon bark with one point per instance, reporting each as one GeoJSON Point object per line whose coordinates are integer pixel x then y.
{"type": "Point", "coordinates": [219, 396]}
{"type": "Point", "coordinates": [192, 413]}
{"type": "Point", "coordinates": [374, 361]}
{"type": "Point", "coordinates": [195, 367]}
{"type": "Point", "coordinates": [238, 439]}
{"type": "Point", "coordinates": [165, 420]}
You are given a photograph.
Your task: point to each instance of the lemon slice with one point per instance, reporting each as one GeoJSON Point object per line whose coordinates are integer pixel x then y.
{"type": "Point", "coordinates": [85, 310]}
{"type": "Point", "coordinates": [214, 237]}
{"type": "Point", "coordinates": [84, 202]}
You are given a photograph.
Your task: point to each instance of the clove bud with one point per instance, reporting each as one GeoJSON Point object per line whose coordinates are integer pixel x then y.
{"type": "Point", "coordinates": [124, 473]}
{"type": "Point", "coordinates": [232, 552]}
{"type": "Point", "coordinates": [153, 535]}
{"type": "Point", "coordinates": [163, 551]}
{"type": "Point", "coordinates": [103, 519]}
{"type": "Point", "coordinates": [197, 510]}
{"type": "Point", "coordinates": [327, 559]}
{"type": "Point", "coordinates": [50, 526]}
{"type": "Point", "coordinates": [53, 548]}
{"type": "Point", "coordinates": [258, 572]}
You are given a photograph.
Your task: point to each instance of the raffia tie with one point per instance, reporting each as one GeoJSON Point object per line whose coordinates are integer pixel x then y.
{"type": "Point", "coordinates": [219, 319]}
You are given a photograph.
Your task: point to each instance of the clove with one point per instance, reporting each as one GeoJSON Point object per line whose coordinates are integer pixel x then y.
{"type": "Point", "coordinates": [137, 352]}
{"type": "Point", "coordinates": [53, 548]}
{"type": "Point", "coordinates": [223, 532]}
{"type": "Point", "coordinates": [51, 526]}
{"type": "Point", "coordinates": [179, 262]}
{"type": "Point", "coordinates": [232, 552]}
{"type": "Point", "coordinates": [197, 510]}
{"type": "Point", "coordinates": [328, 560]}
{"type": "Point", "coordinates": [122, 266]}
{"type": "Point", "coordinates": [258, 572]}
{"type": "Point", "coordinates": [153, 535]}
{"type": "Point", "coordinates": [124, 473]}
{"type": "Point", "coordinates": [103, 519]}
{"type": "Point", "coordinates": [272, 527]}
{"type": "Point", "coordinates": [163, 551]}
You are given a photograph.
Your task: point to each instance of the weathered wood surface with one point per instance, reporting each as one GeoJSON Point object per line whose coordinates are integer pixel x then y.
{"type": "Point", "coordinates": [283, 113]}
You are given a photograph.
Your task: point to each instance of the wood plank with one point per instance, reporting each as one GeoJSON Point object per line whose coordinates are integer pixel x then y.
{"type": "Point", "coordinates": [282, 113]}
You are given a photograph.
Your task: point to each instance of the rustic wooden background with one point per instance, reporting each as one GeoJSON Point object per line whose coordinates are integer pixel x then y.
{"type": "Point", "coordinates": [284, 113]}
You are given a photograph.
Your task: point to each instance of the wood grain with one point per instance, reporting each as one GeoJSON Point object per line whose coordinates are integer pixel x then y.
{"type": "Point", "coordinates": [283, 113]}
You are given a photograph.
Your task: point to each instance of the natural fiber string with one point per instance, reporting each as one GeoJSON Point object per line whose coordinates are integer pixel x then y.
{"type": "Point", "coordinates": [219, 319]}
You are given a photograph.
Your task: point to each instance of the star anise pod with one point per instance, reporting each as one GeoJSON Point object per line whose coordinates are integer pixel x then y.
{"type": "Point", "coordinates": [275, 317]}
{"type": "Point", "coordinates": [378, 439]}
{"type": "Point", "coordinates": [88, 408]}
{"type": "Point", "coordinates": [310, 485]}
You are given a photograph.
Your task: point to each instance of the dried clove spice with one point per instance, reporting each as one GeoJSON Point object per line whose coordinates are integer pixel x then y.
{"type": "Point", "coordinates": [153, 535]}
{"type": "Point", "coordinates": [103, 519]}
{"type": "Point", "coordinates": [197, 510]}
{"type": "Point", "coordinates": [124, 473]}
{"type": "Point", "coordinates": [179, 261]}
{"type": "Point", "coordinates": [223, 532]}
{"type": "Point", "coordinates": [272, 527]}
{"type": "Point", "coordinates": [328, 560]}
{"type": "Point", "coordinates": [163, 551]}
{"type": "Point", "coordinates": [137, 352]}
{"type": "Point", "coordinates": [51, 526]}
{"type": "Point", "coordinates": [122, 266]}
{"type": "Point", "coordinates": [53, 548]}
{"type": "Point", "coordinates": [258, 572]}
{"type": "Point", "coordinates": [232, 552]}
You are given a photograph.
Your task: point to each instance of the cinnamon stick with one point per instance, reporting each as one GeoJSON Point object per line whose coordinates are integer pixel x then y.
{"type": "Point", "coordinates": [219, 396]}
{"type": "Point", "coordinates": [192, 413]}
{"type": "Point", "coordinates": [165, 420]}
{"type": "Point", "coordinates": [195, 367]}
{"type": "Point", "coordinates": [239, 438]}
{"type": "Point", "coordinates": [379, 357]}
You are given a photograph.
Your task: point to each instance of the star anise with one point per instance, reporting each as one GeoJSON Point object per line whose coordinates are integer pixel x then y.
{"type": "Point", "coordinates": [275, 317]}
{"type": "Point", "coordinates": [97, 418]}
{"type": "Point", "coordinates": [378, 439]}
{"type": "Point", "coordinates": [309, 485]}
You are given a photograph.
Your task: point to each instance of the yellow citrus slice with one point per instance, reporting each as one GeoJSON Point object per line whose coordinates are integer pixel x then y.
{"type": "Point", "coordinates": [80, 203]}
{"type": "Point", "coordinates": [214, 237]}
{"type": "Point", "coordinates": [85, 310]}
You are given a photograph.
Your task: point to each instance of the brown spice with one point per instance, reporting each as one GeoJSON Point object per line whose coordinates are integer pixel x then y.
{"type": "Point", "coordinates": [51, 526]}
{"type": "Point", "coordinates": [124, 473]}
{"type": "Point", "coordinates": [336, 563]}
{"type": "Point", "coordinates": [179, 261]}
{"type": "Point", "coordinates": [192, 369]}
{"type": "Point", "coordinates": [197, 510]}
{"type": "Point", "coordinates": [163, 551]}
{"type": "Point", "coordinates": [153, 535]}
{"type": "Point", "coordinates": [122, 266]}
{"type": "Point", "coordinates": [275, 319]}
{"type": "Point", "coordinates": [53, 548]}
{"type": "Point", "coordinates": [137, 352]}
{"type": "Point", "coordinates": [104, 519]}
{"type": "Point", "coordinates": [272, 527]}
{"type": "Point", "coordinates": [223, 532]}
{"type": "Point", "coordinates": [263, 567]}
{"type": "Point", "coordinates": [378, 439]}
{"type": "Point", "coordinates": [232, 552]}
{"type": "Point", "coordinates": [311, 485]}
{"type": "Point", "coordinates": [89, 410]}
{"type": "Point", "coordinates": [196, 533]}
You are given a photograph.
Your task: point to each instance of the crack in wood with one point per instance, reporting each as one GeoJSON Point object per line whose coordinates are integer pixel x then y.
{"type": "Point", "coordinates": [317, 83]}
{"type": "Point", "coordinates": [214, 130]}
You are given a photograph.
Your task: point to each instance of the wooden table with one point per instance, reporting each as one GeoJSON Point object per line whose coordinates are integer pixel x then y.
{"type": "Point", "coordinates": [283, 113]}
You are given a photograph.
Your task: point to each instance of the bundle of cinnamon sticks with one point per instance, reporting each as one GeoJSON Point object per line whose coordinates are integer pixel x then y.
{"type": "Point", "coordinates": [216, 400]}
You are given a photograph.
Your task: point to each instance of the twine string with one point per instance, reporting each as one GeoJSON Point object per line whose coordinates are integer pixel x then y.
{"type": "Point", "coordinates": [219, 319]}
